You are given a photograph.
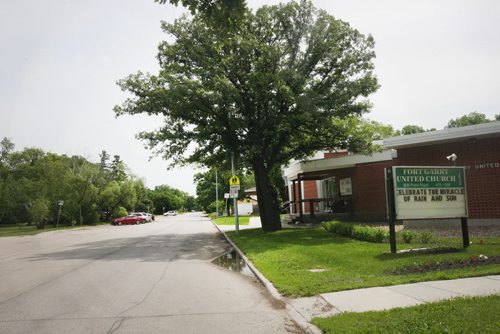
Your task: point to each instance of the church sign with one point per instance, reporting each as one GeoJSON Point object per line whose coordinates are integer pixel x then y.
{"type": "Point", "coordinates": [429, 192]}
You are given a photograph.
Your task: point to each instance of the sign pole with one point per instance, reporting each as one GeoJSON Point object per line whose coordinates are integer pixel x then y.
{"type": "Point", "coordinates": [236, 222]}
{"type": "Point", "coordinates": [465, 232]}
{"type": "Point", "coordinates": [216, 196]}
{"type": "Point", "coordinates": [391, 207]}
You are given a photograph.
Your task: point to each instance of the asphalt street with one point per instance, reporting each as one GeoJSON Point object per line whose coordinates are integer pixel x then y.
{"type": "Point", "coordinates": [151, 278]}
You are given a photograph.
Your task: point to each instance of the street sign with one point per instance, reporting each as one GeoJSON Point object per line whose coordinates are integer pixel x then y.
{"type": "Point", "coordinates": [233, 192]}
{"type": "Point", "coordinates": [226, 195]}
{"type": "Point", "coordinates": [234, 181]}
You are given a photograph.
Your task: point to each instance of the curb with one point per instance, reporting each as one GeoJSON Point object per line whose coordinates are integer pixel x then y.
{"type": "Point", "coordinates": [292, 312]}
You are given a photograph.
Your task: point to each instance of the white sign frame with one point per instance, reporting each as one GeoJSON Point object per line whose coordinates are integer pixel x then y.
{"type": "Point", "coordinates": [422, 202]}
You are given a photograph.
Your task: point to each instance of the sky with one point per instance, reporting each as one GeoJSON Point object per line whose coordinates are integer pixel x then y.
{"type": "Point", "coordinates": [60, 60]}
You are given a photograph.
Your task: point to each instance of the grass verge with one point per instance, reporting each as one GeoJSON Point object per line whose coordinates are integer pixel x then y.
{"type": "Point", "coordinates": [460, 315]}
{"type": "Point", "coordinates": [20, 230]}
{"type": "Point", "coordinates": [243, 220]}
{"type": "Point", "coordinates": [285, 258]}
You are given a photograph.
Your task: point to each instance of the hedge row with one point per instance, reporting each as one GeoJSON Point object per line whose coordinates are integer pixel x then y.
{"type": "Point", "coordinates": [365, 233]}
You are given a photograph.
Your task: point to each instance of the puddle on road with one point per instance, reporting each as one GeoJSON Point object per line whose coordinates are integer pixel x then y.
{"type": "Point", "coordinates": [232, 261]}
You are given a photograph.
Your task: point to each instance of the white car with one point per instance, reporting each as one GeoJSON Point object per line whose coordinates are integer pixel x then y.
{"type": "Point", "coordinates": [170, 213]}
{"type": "Point", "coordinates": [147, 216]}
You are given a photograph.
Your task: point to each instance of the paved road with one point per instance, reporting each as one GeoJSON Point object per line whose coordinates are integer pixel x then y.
{"type": "Point", "coordinates": [152, 278]}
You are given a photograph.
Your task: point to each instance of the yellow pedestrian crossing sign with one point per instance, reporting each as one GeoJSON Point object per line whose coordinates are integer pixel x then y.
{"type": "Point", "coordinates": [234, 181]}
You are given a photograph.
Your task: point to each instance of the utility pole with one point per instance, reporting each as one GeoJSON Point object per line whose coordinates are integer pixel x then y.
{"type": "Point", "coordinates": [235, 203]}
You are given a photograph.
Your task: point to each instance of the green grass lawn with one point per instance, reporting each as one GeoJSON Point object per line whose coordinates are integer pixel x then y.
{"type": "Point", "coordinates": [243, 220]}
{"type": "Point", "coordinates": [19, 230]}
{"type": "Point", "coordinates": [460, 315]}
{"type": "Point", "coordinates": [285, 258]}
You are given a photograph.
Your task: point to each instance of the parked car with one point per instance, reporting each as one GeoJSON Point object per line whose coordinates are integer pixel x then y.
{"type": "Point", "coordinates": [170, 213]}
{"type": "Point", "coordinates": [147, 216]}
{"type": "Point", "coordinates": [128, 220]}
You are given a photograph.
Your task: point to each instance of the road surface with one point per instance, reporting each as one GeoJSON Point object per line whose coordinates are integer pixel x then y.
{"type": "Point", "coordinates": [151, 278]}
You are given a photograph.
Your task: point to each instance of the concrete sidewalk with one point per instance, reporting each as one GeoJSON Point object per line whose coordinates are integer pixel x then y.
{"type": "Point", "coordinates": [384, 298]}
{"type": "Point", "coordinates": [254, 222]}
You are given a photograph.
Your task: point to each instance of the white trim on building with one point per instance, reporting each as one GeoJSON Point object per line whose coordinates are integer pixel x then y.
{"type": "Point", "coordinates": [292, 171]}
{"type": "Point", "coordinates": [491, 129]}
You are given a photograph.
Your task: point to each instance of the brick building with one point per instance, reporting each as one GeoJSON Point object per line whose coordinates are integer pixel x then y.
{"type": "Point", "coordinates": [477, 148]}
{"type": "Point", "coordinates": [353, 185]}
{"type": "Point", "coordinates": [348, 185]}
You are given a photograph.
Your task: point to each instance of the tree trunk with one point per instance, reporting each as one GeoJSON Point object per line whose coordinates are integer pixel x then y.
{"type": "Point", "coordinates": [267, 198]}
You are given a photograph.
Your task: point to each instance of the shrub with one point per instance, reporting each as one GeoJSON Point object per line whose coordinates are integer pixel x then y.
{"type": "Point", "coordinates": [212, 207]}
{"type": "Point", "coordinates": [358, 232]}
{"type": "Point", "coordinates": [380, 235]}
{"type": "Point", "coordinates": [407, 236]}
{"type": "Point", "coordinates": [121, 212]}
{"type": "Point", "coordinates": [361, 233]}
{"type": "Point", "coordinates": [39, 212]}
{"type": "Point", "coordinates": [426, 237]}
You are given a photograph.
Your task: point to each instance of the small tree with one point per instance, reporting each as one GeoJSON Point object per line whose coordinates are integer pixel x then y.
{"type": "Point", "coordinates": [38, 212]}
{"type": "Point", "coordinates": [411, 129]}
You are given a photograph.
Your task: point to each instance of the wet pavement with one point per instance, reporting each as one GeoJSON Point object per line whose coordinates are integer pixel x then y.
{"type": "Point", "coordinates": [231, 260]}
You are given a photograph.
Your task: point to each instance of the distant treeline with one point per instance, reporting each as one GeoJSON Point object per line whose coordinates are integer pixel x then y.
{"type": "Point", "coordinates": [38, 187]}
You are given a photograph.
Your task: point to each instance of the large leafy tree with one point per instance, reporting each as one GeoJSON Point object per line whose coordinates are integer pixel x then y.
{"type": "Point", "coordinates": [273, 88]}
{"type": "Point", "coordinates": [216, 11]}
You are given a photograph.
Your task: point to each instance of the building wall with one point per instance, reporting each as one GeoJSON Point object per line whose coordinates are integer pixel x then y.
{"type": "Point", "coordinates": [309, 190]}
{"type": "Point", "coordinates": [481, 157]}
{"type": "Point", "coordinates": [369, 191]}
{"type": "Point", "coordinates": [367, 201]}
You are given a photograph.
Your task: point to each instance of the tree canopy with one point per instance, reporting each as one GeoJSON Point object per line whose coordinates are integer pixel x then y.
{"type": "Point", "coordinates": [32, 182]}
{"type": "Point", "coordinates": [279, 87]}
{"type": "Point", "coordinates": [470, 119]}
{"type": "Point", "coordinates": [216, 11]}
{"type": "Point", "coordinates": [205, 186]}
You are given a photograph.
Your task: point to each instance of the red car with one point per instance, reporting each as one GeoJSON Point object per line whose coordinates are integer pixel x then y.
{"type": "Point", "coordinates": [128, 220]}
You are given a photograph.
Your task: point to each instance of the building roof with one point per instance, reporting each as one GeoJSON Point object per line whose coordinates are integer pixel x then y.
{"type": "Point", "coordinates": [296, 168]}
{"type": "Point", "coordinates": [491, 129]}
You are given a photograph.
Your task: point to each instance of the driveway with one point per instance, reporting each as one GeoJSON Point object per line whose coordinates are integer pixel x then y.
{"type": "Point", "coordinates": [151, 278]}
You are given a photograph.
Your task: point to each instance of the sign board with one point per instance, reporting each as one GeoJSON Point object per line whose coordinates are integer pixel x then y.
{"type": "Point", "coordinates": [345, 186]}
{"type": "Point", "coordinates": [429, 192]}
{"type": "Point", "coordinates": [233, 192]}
{"type": "Point", "coordinates": [234, 181]}
{"type": "Point", "coordinates": [226, 195]}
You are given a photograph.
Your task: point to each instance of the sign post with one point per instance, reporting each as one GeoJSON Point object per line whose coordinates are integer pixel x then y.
{"type": "Point", "coordinates": [216, 195]}
{"type": "Point", "coordinates": [226, 197]}
{"type": "Point", "coordinates": [234, 181]}
{"type": "Point", "coordinates": [419, 192]}
{"type": "Point", "coordinates": [391, 209]}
